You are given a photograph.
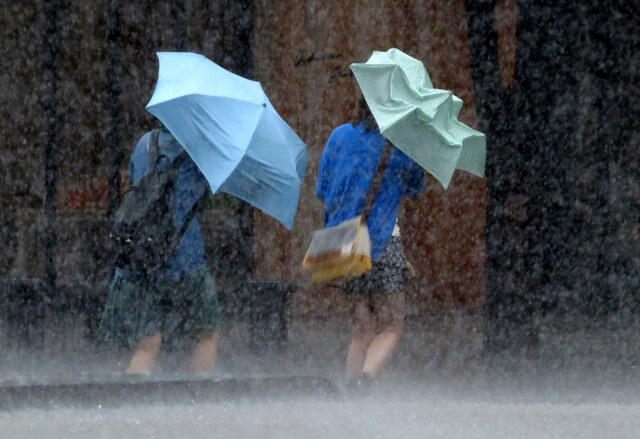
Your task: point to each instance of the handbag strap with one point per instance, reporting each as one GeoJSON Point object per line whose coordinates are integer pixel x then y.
{"type": "Point", "coordinates": [377, 180]}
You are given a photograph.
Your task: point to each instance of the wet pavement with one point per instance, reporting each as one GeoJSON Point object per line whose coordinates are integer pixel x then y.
{"type": "Point", "coordinates": [381, 415]}
{"type": "Point", "coordinates": [582, 382]}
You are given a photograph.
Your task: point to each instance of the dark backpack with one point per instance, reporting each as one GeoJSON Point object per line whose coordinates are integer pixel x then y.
{"type": "Point", "coordinates": [143, 237]}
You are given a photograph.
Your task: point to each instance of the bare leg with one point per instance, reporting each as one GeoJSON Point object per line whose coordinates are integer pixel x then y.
{"type": "Point", "coordinates": [144, 358]}
{"type": "Point", "coordinates": [389, 308]}
{"type": "Point", "coordinates": [380, 351]}
{"type": "Point", "coordinates": [356, 356]}
{"type": "Point", "coordinates": [204, 355]}
{"type": "Point", "coordinates": [363, 333]}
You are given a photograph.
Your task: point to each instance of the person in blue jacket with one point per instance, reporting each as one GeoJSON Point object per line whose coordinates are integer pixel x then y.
{"type": "Point", "coordinates": [347, 168]}
{"type": "Point", "coordinates": [179, 298]}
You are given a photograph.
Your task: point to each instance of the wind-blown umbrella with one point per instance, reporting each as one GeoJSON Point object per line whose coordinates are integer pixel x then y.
{"type": "Point", "coordinates": [418, 119]}
{"type": "Point", "coordinates": [230, 129]}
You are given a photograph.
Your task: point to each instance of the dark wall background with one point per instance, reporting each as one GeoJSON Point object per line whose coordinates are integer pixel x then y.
{"type": "Point", "coordinates": [76, 77]}
{"type": "Point", "coordinates": [562, 164]}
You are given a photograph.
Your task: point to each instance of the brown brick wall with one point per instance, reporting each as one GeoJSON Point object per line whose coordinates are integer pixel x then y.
{"type": "Point", "coordinates": [302, 51]}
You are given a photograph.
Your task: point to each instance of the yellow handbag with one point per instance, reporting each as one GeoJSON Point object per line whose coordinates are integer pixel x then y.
{"type": "Point", "coordinates": [339, 252]}
{"type": "Point", "coordinates": [343, 252]}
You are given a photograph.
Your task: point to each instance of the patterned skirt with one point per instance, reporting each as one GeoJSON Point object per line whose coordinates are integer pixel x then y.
{"type": "Point", "coordinates": [386, 274]}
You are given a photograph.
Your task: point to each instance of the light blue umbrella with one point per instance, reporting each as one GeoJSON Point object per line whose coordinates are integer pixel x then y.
{"type": "Point", "coordinates": [230, 129]}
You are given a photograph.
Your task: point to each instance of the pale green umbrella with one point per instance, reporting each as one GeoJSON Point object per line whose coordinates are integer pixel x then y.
{"type": "Point", "coordinates": [418, 119]}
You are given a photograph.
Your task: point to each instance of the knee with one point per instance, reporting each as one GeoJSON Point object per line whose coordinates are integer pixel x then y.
{"type": "Point", "coordinates": [152, 343]}
{"type": "Point", "coordinates": [363, 334]}
{"type": "Point", "coordinates": [360, 344]}
{"type": "Point", "coordinates": [394, 331]}
{"type": "Point", "coordinates": [393, 326]}
{"type": "Point", "coordinates": [212, 337]}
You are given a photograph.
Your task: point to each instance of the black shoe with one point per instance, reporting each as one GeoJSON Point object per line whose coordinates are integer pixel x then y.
{"type": "Point", "coordinates": [360, 386]}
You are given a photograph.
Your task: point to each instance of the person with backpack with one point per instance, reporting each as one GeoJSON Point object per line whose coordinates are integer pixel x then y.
{"type": "Point", "coordinates": [162, 285]}
{"type": "Point", "coordinates": [355, 156]}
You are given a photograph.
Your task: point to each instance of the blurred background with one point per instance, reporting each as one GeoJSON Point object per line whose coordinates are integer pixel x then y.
{"type": "Point", "coordinates": [541, 253]}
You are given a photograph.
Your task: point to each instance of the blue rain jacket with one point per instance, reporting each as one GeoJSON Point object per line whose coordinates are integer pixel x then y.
{"type": "Point", "coordinates": [347, 167]}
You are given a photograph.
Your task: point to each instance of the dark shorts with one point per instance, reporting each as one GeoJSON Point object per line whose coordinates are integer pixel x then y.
{"type": "Point", "coordinates": [386, 274]}
{"type": "Point", "coordinates": [139, 308]}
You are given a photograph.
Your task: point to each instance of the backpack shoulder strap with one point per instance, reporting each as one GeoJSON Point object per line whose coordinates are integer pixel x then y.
{"type": "Point", "coordinates": [180, 158]}
{"type": "Point", "coordinates": [154, 155]}
{"type": "Point", "coordinates": [153, 150]}
{"type": "Point", "coordinates": [197, 207]}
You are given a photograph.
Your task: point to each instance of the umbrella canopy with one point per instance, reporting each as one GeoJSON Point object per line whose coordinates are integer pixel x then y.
{"type": "Point", "coordinates": [230, 129]}
{"type": "Point", "coordinates": [418, 119]}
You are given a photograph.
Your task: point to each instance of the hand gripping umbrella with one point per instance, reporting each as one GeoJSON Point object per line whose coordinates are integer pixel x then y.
{"type": "Point", "coordinates": [230, 129]}
{"type": "Point", "coordinates": [418, 119]}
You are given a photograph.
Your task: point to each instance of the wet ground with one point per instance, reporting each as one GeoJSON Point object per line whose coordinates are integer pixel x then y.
{"type": "Point", "coordinates": [416, 413]}
{"type": "Point", "coordinates": [582, 382]}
